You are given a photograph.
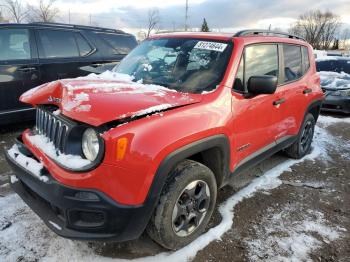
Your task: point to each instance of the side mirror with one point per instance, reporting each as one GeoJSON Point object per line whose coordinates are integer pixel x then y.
{"type": "Point", "coordinates": [264, 84]}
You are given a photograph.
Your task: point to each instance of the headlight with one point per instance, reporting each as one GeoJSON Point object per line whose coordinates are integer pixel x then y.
{"type": "Point", "coordinates": [90, 144]}
{"type": "Point", "coordinates": [342, 93]}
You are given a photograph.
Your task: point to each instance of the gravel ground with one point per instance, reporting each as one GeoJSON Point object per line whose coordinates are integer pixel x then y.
{"type": "Point", "coordinates": [292, 211]}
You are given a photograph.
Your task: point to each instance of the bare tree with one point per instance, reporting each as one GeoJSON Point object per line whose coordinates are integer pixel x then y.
{"type": "Point", "coordinates": [16, 10]}
{"type": "Point", "coordinates": [345, 38]}
{"type": "Point", "coordinates": [318, 28]}
{"type": "Point", "coordinates": [153, 20]}
{"type": "Point", "coordinates": [45, 11]}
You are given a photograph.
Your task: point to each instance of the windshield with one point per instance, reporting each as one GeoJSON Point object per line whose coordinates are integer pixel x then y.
{"type": "Point", "coordinates": [187, 65]}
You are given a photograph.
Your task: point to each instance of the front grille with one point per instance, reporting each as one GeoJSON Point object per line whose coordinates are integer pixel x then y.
{"type": "Point", "coordinates": [52, 127]}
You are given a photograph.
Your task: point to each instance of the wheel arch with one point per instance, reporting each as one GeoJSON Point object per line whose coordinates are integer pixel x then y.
{"type": "Point", "coordinates": [211, 149]}
{"type": "Point", "coordinates": [314, 108]}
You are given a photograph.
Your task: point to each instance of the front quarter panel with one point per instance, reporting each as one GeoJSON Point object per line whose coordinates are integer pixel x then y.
{"type": "Point", "coordinates": [151, 139]}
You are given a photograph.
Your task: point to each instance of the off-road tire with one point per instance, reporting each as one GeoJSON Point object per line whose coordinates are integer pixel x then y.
{"type": "Point", "coordinates": [297, 150]}
{"type": "Point", "coordinates": [161, 227]}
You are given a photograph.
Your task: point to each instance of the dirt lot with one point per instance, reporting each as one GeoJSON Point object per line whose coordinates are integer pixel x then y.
{"type": "Point", "coordinates": [282, 210]}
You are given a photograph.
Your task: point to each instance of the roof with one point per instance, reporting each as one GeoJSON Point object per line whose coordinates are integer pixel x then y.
{"type": "Point", "coordinates": [65, 26]}
{"type": "Point", "coordinates": [228, 36]}
{"type": "Point", "coordinates": [212, 35]}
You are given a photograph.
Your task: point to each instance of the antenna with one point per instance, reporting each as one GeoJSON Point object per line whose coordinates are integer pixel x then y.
{"type": "Point", "coordinates": [186, 16]}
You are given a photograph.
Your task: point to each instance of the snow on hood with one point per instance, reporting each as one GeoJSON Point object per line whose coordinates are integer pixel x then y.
{"type": "Point", "coordinates": [97, 99]}
{"type": "Point", "coordinates": [334, 80]}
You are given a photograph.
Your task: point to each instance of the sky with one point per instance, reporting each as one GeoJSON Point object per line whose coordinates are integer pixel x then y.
{"type": "Point", "coordinates": [223, 15]}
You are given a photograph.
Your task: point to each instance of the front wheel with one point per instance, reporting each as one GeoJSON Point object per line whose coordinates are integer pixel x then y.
{"type": "Point", "coordinates": [185, 207]}
{"type": "Point", "coordinates": [302, 145]}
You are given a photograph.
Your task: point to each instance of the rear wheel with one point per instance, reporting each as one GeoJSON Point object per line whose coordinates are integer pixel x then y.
{"type": "Point", "coordinates": [302, 145]}
{"type": "Point", "coordinates": [185, 207]}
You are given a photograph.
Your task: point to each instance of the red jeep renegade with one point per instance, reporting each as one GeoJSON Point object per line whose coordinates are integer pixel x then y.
{"type": "Point", "coordinates": [146, 146]}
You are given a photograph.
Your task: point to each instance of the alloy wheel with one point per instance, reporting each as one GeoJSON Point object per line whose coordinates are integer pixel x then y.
{"type": "Point", "coordinates": [190, 208]}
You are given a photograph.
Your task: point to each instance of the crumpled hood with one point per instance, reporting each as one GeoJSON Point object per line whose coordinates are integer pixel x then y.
{"type": "Point", "coordinates": [96, 101]}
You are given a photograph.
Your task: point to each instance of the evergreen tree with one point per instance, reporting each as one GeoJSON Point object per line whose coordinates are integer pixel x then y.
{"type": "Point", "coordinates": [205, 27]}
{"type": "Point", "coordinates": [336, 44]}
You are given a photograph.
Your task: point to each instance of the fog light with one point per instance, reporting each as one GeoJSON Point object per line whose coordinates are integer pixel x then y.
{"type": "Point", "coordinates": [87, 196]}
{"type": "Point", "coordinates": [88, 219]}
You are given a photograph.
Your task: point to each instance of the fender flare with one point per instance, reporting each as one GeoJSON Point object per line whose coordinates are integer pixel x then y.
{"type": "Point", "coordinates": [170, 161]}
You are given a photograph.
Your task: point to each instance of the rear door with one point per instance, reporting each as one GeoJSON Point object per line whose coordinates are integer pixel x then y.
{"type": "Point", "coordinates": [19, 68]}
{"type": "Point", "coordinates": [294, 89]}
{"type": "Point", "coordinates": [61, 53]}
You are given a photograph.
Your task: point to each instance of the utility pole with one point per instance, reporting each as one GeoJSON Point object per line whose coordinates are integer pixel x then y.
{"type": "Point", "coordinates": [186, 16]}
{"type": "Point", "coordinates": [90, 19]}
{"type": "Point", "coordinates": [68, 16]}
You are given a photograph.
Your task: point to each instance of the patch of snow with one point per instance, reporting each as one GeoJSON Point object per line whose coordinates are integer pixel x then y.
{"type": "Point", "coordinates": [13, 179]}
{"type": "Point", "coordinates": [27, 238]}
{"type": "Point", "coordinates": [56, 112]}
{"type": "Point", "coordinates": [334, 80]}
{"type": "Point", "coordinates": [76, 102]}
{"type": "Point", "coordinates": [326, 121]}
{"type": "Point", "coordinates": [122, 83]}
{"type": "Point", "coordinates": [30, 164]}
{"type": "Point", "coordinates": [152, 110]}
{"type": "Point", "coordinates": [44, 144]}
{"type": "Point", "coordinates": [282, 238]}
{"type": "Point", "coordinates": [109, 75]}
{"type": "Point", "coordinates": [83, 108]}
{"type": "Point", "coordinates": [55, 225]}
{"type": "Point", "coordinates": [122, 88]}
{"type": "Point", "coordinates": [82, 97]}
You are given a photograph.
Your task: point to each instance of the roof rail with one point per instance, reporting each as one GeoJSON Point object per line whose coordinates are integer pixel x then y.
{"type": "Point", "coordinates": [266, 33]}
{"type": "Point", "coordinates": [78, 26]}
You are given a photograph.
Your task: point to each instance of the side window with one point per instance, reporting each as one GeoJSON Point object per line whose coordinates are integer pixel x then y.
{"type": "Point", "coordinates": [122, 44]}
{"type": "Point", "coordinates": [292, 62]}
{"type": "Point", "coordinates": [239, 81]}
{"type": "Point", "coordinates": [14, 44]}
{"type": "Point", "coordinates": [258, 60]}
{"type": "Point", "coordinates": [84, 46]}
{"type": "Point", "coordinates": [306, 60]}
{"type": "Point", "coordinates": [57, 44]}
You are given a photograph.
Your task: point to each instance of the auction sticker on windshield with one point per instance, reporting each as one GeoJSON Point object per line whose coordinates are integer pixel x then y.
{"type": "Point", "coordinates": [213, 46]}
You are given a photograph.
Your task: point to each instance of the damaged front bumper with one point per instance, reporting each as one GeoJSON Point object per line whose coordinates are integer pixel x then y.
{"type": "Point", "coordinates": [83, 214]}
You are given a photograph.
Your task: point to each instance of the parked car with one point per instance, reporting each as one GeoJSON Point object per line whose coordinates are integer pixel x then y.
{"type": "Point", "coordinates": [335, 84]}
{"type": "Point", "coordinates": [32, 54]}
{"type": "Point", "coordinates": [147, 146]}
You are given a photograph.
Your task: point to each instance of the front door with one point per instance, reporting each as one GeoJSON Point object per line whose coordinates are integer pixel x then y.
{"type": "Point", "coordinates": [255, 117]}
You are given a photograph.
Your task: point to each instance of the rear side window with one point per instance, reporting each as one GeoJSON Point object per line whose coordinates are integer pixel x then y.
{"type": "Point", "coordinates": [122, 44]}
{"type": "Point", "coordinates": [257, 60]}
{"type": "Point", "coordinates": [292, 62]}
{"type": "Point", "coordinates": [14, 44]}
{"type": "Point", "coordinates": [58, 44]}
{"type": "Point", "coordinates": [306, 60]}
{"type": "Point", "coordinates": [84, 46]}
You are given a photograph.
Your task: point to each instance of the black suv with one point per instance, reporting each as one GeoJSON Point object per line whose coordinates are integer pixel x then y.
{"type": "Point", "coordinates": [36, 53]}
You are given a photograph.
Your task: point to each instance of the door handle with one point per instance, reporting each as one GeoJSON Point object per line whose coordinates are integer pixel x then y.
{"type": "Point", "coordinates": [307, 91]}
{"type": "Point", "coordinates": [279, 101]}
{"type": "Point", "coordinates": [96, 65]}
{"type": "Point", "coordinates": [26, 69]}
